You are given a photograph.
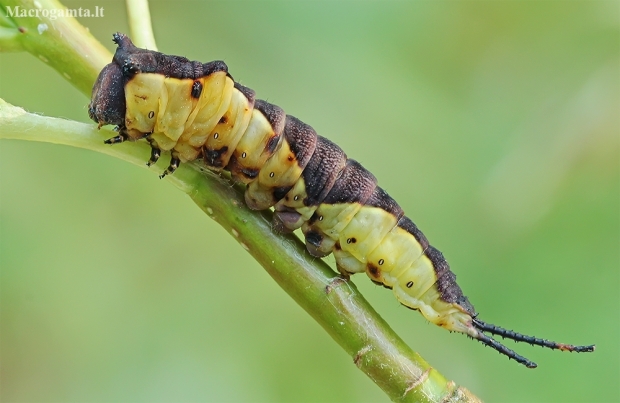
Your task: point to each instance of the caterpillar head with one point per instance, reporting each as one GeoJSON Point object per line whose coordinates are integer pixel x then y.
{"type": "Point", "coordinates": [107, 105]}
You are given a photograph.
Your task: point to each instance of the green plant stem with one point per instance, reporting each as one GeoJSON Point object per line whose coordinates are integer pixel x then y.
{"type": "Point", "coordinates": [140, 24]}
{"type": "Point", "coordinates": [333, 302]}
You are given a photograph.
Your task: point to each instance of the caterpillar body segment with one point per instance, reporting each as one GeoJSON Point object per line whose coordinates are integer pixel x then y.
{"type": "Point", "coordinates": [197, 111]}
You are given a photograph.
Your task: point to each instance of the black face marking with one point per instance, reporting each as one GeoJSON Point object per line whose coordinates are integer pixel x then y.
{"type": "Point", "coordinates": [107, 105]}
{"type": "Point", "coordinates": [196, 89]}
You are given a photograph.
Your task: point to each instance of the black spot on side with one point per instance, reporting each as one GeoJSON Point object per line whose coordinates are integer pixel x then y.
{"type": "Point", "coordinates": [250, 173]}
{"type": "Point", "coordinates": [213, 158]}
{"type": "Point", "coordinates": [314, 218]}
{"type": "Point", "coordinates": [280, 192]}
{"type": "Point", "coordinates": [196, 89]}
{"type": "Point", "coordinates": [373, 271]}
{"type": "Point", "coordinates": [314, 238]}
{"type": "Point", "coordinates": [449, 290]}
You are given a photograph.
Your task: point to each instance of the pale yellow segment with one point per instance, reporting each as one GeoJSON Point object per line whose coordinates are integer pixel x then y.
{"type": "Point", "coordinates": [164, 106]}
{"type": "Point", "coordinates": [294, 200]}
{"type": "Point", "coordinates": [395, 254]}
{"type": "Point", "coordinates": [214, 101]}
{"type": "Point", "coordinates": [420, 276]}
{"type": "Point", "coordinates": [174, 107]}
{"type": "Point", "coordinates": [327, 244]}
{"type": "Point", "coordinates": [142, 94]}
{"type": "Point", "coordinates": [348, 263]}
{"type": "Point", "coordinates": [428, 311]}
{"type": "Point", "coordinates": [328, 218]}
{"type": "Point", "coordinates": [335, 217]}
{"type": "Point", "coordinates": [295, 197]}
{"type": "Point", "coordinates": [445, 314]}
{"type": "Point", "coordinates": [163, 142]}
{"type": "Point", "coordinates": [365, 231]}
{"type": "Point", "coordinates": [250, 151]}
{"type": "Point", "coordinates": [228, 132]}
{"type": "Point", "coordinates": [306, 212]}
{"type": "Point", "coordinates": [281, 169]}
{"type": "Point", "coordinates": [259, 197]}
{"type": "Point", "coordinates": [186, 152]}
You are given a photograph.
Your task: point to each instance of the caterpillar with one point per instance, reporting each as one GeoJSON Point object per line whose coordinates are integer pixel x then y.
{"type": "Point", "coordinates": [197, 111]}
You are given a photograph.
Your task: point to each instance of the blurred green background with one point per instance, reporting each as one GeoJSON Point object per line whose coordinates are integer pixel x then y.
{"type": "Point", "coordinates": [494, 124]}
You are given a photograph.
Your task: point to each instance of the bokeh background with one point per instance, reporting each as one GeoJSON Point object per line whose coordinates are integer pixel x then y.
{"type": "Point", "coordinates": [494, 124]}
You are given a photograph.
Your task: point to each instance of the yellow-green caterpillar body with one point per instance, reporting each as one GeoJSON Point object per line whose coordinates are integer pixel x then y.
{"type": "Point", "coordinates": [197, 111]}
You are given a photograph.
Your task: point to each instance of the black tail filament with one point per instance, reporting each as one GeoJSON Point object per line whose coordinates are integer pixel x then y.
{"type": "Point", "coordinates": [518, 337]}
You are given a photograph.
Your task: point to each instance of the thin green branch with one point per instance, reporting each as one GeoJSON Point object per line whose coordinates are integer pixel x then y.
{"type": "Point", "coordinates": [140, 24]}
{"type": "Point", "coordinates": [334, 303]}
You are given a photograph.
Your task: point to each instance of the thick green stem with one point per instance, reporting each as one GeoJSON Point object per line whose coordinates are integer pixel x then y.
{"type": "Point", "coordinates": [61, 42]}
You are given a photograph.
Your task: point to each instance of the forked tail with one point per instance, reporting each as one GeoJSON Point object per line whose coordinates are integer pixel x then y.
{"type": "Point", "coordinates": [518, 337]}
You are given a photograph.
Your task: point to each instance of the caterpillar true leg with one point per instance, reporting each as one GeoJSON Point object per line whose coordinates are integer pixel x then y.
{"type": "Point", "coordinates": [196, 110]}
{"type": "Point", "coordinates": [174, 164]}
{"type": "Point", "coordinates": [155, 151]}
{"type": "Point", "coordinates": [121, 137]}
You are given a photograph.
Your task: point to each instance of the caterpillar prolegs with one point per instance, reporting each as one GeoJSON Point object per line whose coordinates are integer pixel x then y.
{"type": "Point", "coordinates": [197, 111]}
